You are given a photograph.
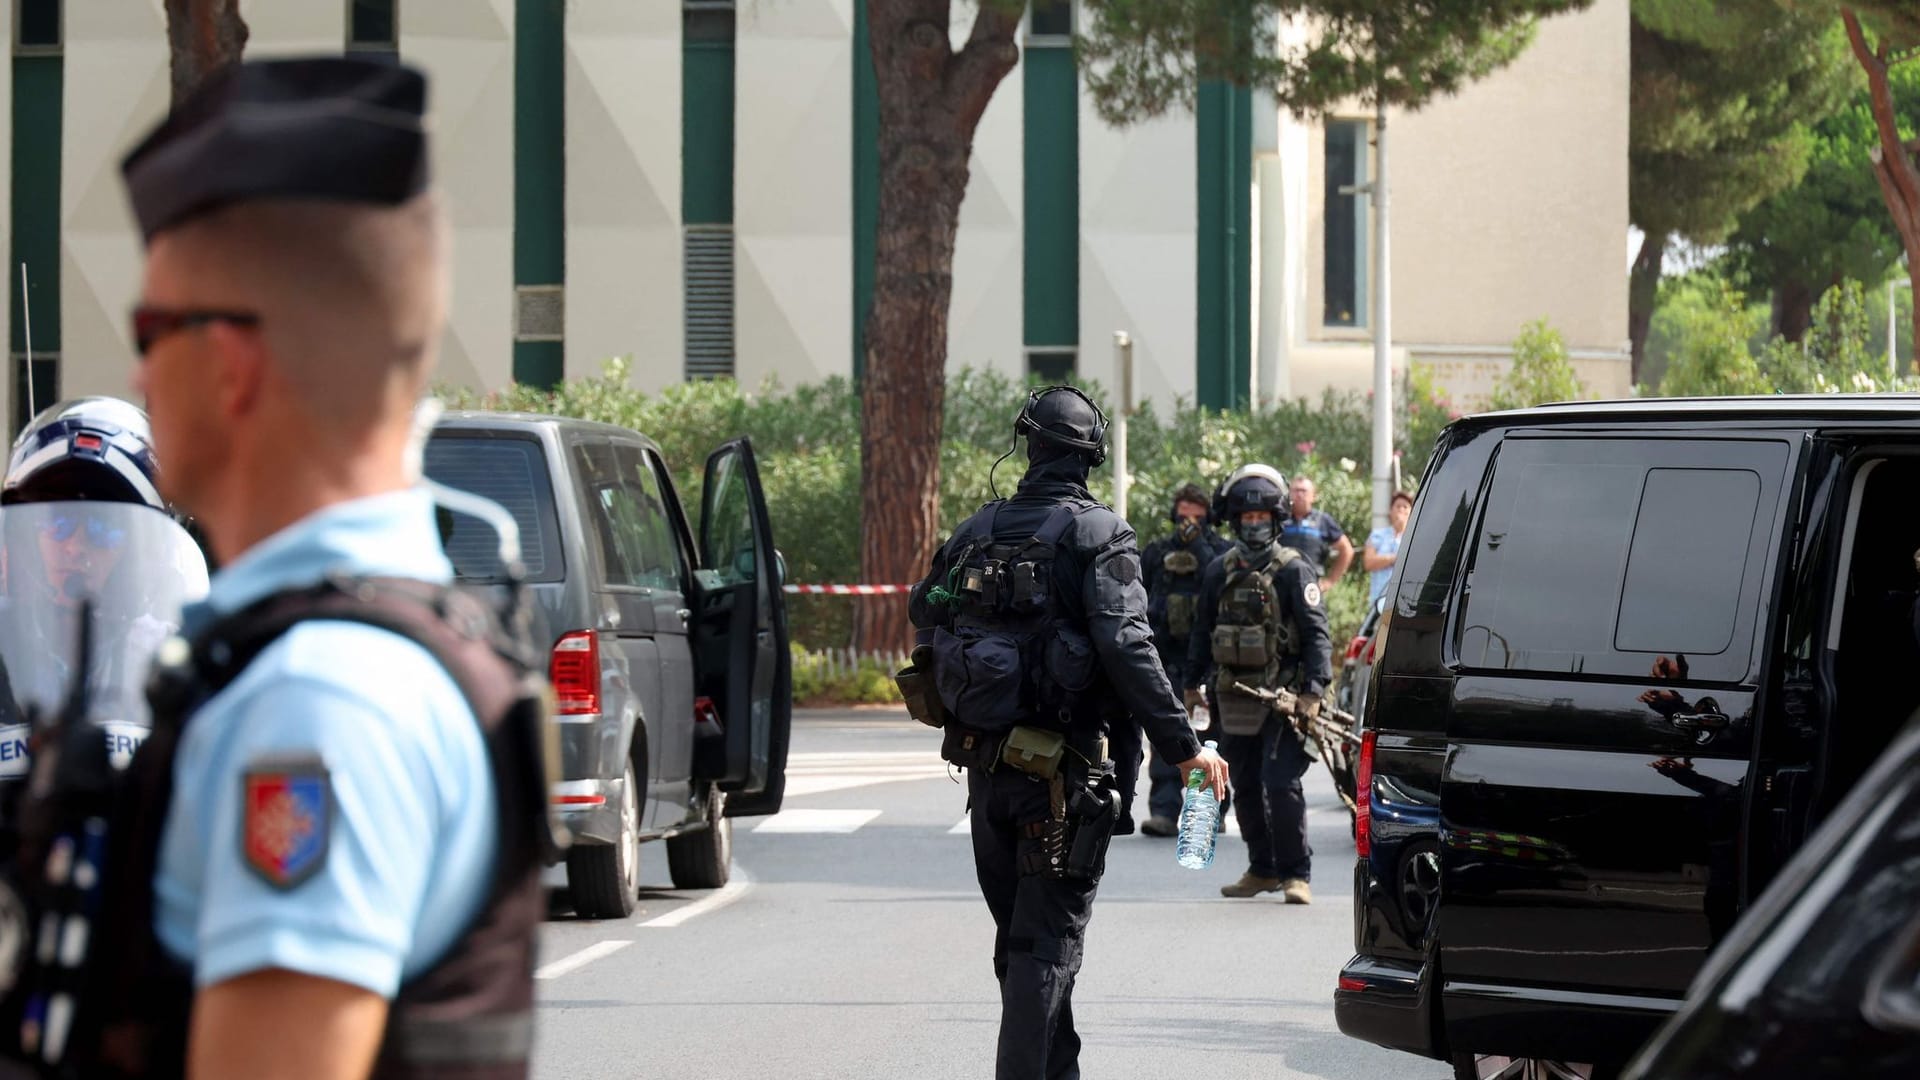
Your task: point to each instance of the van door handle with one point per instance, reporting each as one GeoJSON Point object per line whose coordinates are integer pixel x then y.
{"type": "Point", "coordinates": [1707, 720]}
{"type": "Point", "coordinates": [686, 616]}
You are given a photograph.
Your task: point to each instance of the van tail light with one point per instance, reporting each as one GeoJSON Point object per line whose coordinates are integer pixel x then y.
{"type": "Point", "coordinates": [1373, 646]}
{"type": "Point", "coordinates": [1355, 648]}
{"type": "Point", "coordinates": [1363, 797]}
{"type": "Point", "coordinates": [575, 673]}
{"type": "Point", "coordinates": [1352, 985]}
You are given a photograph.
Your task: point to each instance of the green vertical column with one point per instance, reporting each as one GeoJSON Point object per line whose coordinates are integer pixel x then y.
{"type": "Point", "coordinates": [1223, 276]}
{"type": "Point", "coordinates": [866, 181]}
{"type": "Point", "coordinates": [539, 171]}
{"type": "Point", "coordinates": [1051, 195]}
{"type": "Point", "coordinates": [39, 87]}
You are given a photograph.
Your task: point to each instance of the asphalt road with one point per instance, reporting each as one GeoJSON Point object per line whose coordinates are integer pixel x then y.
{"type": "Point", "coordinates": [853, 944]}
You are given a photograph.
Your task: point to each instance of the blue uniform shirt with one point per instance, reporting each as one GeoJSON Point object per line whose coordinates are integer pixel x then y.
{"type": "Point", "coordinates": [401, 859]}
{"type": "Point", "coordinates": [1312, 536]}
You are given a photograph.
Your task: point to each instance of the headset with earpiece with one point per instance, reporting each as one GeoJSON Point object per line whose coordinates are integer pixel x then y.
{"type": "Point", "coordinates": [1095, 448]}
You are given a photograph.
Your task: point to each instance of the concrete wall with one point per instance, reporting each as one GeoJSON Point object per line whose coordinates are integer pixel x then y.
{"type": "Point", "coordinates": [983, 323]}
{"type": "Point", "coordinates": [793, 196]}
{"type": "Point", "coordinates": [1509, 204]}
{"type": "Point", "coordinates": [625, 287]}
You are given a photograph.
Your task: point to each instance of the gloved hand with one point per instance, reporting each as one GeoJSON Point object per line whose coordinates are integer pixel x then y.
{"type": "Point", "coordinates": [1194, 699]}
{"type": "Point", "coordinates": [1308, 706]}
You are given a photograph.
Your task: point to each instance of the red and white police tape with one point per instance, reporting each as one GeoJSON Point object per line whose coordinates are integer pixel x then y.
{"type": "Point", "coordinates": [848, 590]}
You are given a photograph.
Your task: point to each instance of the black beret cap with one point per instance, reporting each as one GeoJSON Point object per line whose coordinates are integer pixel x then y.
{"type": "Point", "coordinates": [330, 128]}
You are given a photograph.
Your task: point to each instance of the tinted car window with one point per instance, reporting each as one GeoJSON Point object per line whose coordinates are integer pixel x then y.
{"type": "Point", "coordinates": [1673, 603]}
{"type": "Point", "coordinates": [1594, 554]}
{"type": "Point", "coordinates": [659, 550]}
{"type": "Point", "coordinates": [513, 473]}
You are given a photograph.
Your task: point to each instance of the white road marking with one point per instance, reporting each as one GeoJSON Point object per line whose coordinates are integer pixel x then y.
{"type": "Point", "coordinates": [965, 828]}
{"type": "Point", "coordinates": [735, 888]}
{"type": "Point", "coordinates": [576, 961]}
{"type": "Point", "coordinates": [816, 821]}
{"type": "Point", "coordinates": [819, 773]}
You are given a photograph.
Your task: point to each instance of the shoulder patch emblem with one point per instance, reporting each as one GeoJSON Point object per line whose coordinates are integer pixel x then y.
{"type": "Point", "coordinates": [286, 817]}
{"type": "Point", "coordinates": [1124, 569]}
{"type": "Point", "coordinates": [1312, 592]}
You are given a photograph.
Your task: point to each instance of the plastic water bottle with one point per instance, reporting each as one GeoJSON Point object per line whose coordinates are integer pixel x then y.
{"type": "Point", "coordinates": [1199, 817]}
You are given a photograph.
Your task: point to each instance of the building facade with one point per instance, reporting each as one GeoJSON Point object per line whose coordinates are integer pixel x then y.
{"type": "Point", "coordinates": [694, 184]}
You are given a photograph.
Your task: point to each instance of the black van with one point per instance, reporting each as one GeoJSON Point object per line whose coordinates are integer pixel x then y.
{"type": "Point", "coordinates": [1635, 652]}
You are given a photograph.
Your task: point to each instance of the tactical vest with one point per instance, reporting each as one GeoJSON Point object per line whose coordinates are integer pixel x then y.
{"type": "Point", "coordinates": [468, 1016]}
{"type": "Point", "coordinates": [1177, 590]}
{"type": "Point", "coordinates": [1252, 642]}
{"type": "Point", "coordinates": [1012, 657]}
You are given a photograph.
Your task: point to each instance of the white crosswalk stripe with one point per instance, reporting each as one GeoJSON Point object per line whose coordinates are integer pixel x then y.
{"type": "Point", "coordinates": [817, 774]}
{"type": "Point", "coordinates": [965, 828]}
{"type": "Point", "coordinates": [816, 821]}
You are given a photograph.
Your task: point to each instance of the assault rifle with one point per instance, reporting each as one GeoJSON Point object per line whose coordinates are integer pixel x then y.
{"type": "Point", "coordinates": [1327, 736]}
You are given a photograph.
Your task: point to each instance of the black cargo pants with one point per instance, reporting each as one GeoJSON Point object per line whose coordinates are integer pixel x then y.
{"type": "Point", "coordinates": [1268, 801]}
{"type": "Point", "coordinates": [1039, 922]}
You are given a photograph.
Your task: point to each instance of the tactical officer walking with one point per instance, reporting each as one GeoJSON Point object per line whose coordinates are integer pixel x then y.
{"type": "Point", "coordinates": [1172, 567]}
{"type": "Point", "coordinates": [1260, 625]}
{"type": "Point", "coordinates": [327, 862]}
{"type": "Point", "coordinates": [1034, 625]}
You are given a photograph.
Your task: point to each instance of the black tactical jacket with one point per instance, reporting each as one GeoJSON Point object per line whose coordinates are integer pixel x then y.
{"type": "Point", "coordinates": [1161, 583]}
{"type": "Point", "coordinates": [1098, 583]}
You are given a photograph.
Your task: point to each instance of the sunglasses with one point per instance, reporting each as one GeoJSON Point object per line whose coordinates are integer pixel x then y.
{"type": "Point", "coordinates": [150, 324]}
{"type": "Point", "coordinates": [63, 527]}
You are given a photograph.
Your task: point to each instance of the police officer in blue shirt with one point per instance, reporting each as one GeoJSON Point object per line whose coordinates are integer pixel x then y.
{"type": "Point", "coordinates": [1315, 534]}
{"type": "Point", "coordinates": [338, 827]}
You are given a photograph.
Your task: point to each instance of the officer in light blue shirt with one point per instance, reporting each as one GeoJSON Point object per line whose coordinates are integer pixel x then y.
{"type": "Point", "coordinates": [403, 862]}
{"type": "Point", "coordinates": [329, 847]}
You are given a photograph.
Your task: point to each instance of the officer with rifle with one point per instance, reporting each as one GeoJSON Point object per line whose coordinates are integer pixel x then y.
{"type": "Point", "coordinates": [324, 861]}
{"type": "Point", "coordinates": [1034, 636]}
{"type": "Point", "coordinates": [1260, 625]}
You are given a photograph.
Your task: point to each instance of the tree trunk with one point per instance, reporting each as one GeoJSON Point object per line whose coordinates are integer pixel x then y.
{"type": "Point", "coordinates": [1893, 160]}
{"type": "Point", "coordinates": [1793, 310]}
{"type": "Point", "coordinates": [1643, 291]}
{"type": "Point", "coordinates": [931, 100]}
{"type": "Point", "coordinates": [203, 36]}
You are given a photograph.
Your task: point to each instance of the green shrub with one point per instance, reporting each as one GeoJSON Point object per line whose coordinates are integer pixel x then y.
{"type": "Point", "coordinates": [820, 680]}
{"type": "Point", "coordinates": [1541, 371]}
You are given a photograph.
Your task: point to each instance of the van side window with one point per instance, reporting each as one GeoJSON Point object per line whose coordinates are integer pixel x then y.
{"type": "Point", "coordinates": [1601, 556]}
{"type": "Point", "coordinates": [659, 554]}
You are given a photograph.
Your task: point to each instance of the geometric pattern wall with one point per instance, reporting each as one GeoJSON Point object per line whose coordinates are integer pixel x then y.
{"type": "Point", "coordinates": [1137, 251]}
{"type": "Point", "coordinates": [116, 88]}
{"type": "Point", "coordinates": [624, 282]}
{"type": "Point", "coordinates": [793, 200]}
{"type": "Point", "coordinates": [984, 329]}
{"type": "Point", "coordinates": [466, 49]}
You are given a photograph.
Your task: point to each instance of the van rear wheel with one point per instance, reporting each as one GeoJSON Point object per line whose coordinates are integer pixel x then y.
{"type": "Point", "coordinates": [1498, 1067]}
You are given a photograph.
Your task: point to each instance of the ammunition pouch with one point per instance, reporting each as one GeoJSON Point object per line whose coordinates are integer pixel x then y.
{"type": "Point", "coordinates": [1035, 751]}
{"type": "Point", "coordinates": [1240, 646]}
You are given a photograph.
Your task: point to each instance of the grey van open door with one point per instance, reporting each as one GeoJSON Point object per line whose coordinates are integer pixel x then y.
{"type": "Point", "coordinates": [740, 632]}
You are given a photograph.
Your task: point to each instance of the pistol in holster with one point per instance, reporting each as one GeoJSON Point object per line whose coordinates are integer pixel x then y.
{"type": "Point", "coordinates": [1095, 812]}
{"type": "Point", "coordinates": [917, 690]}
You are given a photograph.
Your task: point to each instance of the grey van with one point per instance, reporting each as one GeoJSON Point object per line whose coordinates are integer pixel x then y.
{"type": "Point", "coordinates": [669, 662]}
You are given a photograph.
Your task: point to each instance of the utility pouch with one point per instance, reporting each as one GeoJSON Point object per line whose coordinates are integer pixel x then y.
{"type": "Point", "coordinates": [1180, 613]}
{"type": "Point", "coordinates": [968, 748]}
{"type": "Point", "coordinates": [1035, 751]}
{"type": "Point", "coordinates": [1240, 714]}
{"type": "Point", "coordinates": [917, 690]}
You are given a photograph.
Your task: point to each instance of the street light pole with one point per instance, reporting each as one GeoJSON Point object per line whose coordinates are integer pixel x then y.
{"type": "Point", "coordinates": [1123, 364]}
{"type": "Point", "coordinates": [1382, 329]}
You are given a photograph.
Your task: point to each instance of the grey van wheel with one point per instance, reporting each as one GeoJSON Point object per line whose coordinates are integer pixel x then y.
{"type": "Point", "coordinates": [1496, 1067]}
{"type": "Point", "coordinates": [605, 878]}
{"type": "Point", "coordinates": [703, 859]}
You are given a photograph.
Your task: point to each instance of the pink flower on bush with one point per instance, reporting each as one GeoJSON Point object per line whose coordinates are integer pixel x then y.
{"type": "Point", "coordinates": [1304, 447]}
